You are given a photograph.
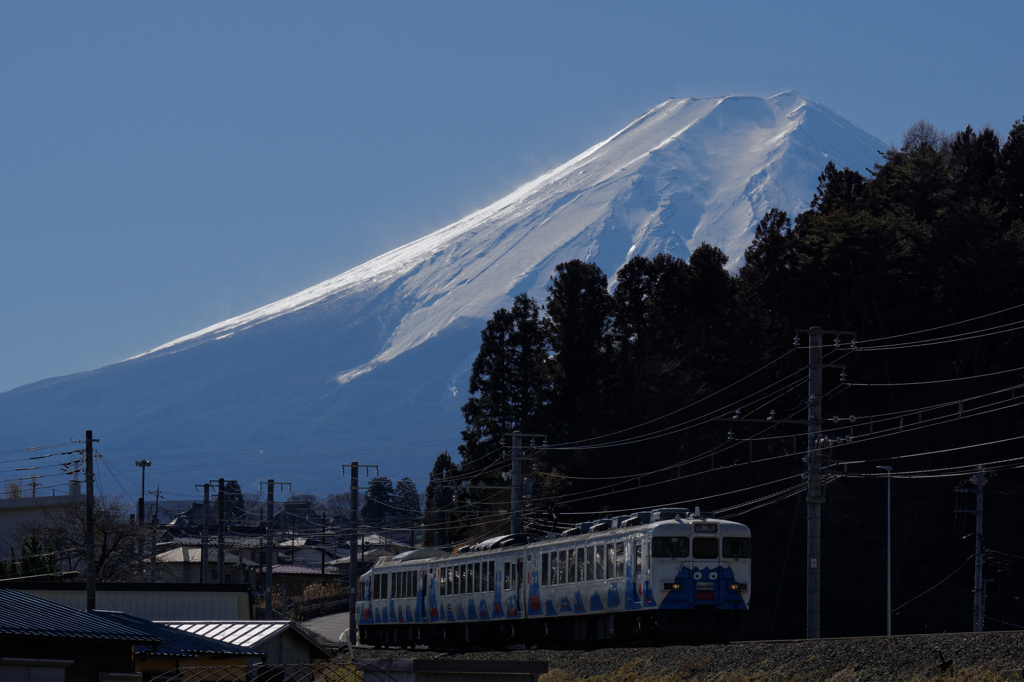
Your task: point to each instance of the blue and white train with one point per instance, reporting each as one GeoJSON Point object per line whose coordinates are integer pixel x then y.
{"type": "Point", "coordinates": [650, 575]}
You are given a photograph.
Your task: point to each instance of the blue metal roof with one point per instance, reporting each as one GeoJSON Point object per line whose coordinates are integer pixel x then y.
{"type": "Point", "coordinates": [176, 642]}
{"type": "Point", "coordinates": [24, 614]}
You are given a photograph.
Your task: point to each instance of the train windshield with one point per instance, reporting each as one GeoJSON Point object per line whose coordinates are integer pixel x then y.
{"type": "Point", "coordinates": [705, 548]}
{"type": "Point", "coordinates": [671, 548]}
{"type": "Point", "coordinates": [736, 548]}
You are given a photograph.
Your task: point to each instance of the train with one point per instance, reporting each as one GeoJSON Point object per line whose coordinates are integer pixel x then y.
{"type": "Point", "coordinates": [659, 575]}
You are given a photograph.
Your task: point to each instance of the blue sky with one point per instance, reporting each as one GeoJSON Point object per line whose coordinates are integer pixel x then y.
{"type": "Point", "coordinates": [167, 165]}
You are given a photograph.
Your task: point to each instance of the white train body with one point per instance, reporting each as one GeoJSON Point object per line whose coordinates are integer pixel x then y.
{"type": "Point", "coordinates": [651, 575]}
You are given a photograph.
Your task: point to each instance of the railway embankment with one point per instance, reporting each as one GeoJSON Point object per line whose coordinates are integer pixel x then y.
{"type": "Point", "coordinates": [948, 656]}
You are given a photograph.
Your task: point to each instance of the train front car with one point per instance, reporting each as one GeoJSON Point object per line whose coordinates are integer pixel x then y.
{"type": "Point", "coordinates": [699, 573]}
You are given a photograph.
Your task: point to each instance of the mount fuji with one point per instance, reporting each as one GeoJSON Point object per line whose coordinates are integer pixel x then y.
{"type": "Point", "coordinates": [373, 365]}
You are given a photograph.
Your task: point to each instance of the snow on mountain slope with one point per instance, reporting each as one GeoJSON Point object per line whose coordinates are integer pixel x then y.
{"type": "Point", "coordinates": [392, 339]}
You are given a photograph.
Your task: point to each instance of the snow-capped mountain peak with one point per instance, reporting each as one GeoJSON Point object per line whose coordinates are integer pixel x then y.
{"type": "Point", "coordinates": [393, 338]}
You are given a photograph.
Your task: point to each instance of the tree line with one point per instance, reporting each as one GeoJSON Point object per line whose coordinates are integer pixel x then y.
{"type": "Point", "coordinates": [633, 382]}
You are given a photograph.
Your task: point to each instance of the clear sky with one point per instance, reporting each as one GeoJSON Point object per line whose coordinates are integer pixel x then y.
{"type": "Point", "coordinates": [167, 165]}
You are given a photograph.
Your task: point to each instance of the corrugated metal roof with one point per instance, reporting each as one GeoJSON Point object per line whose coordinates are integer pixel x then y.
{"type": "Point", "coordinates": [251, 633]}
{"type": "Point", "coordinates": [242, 633]}
{"type": "Point", "coordinates": [175, 641]}
{"type": "Point", "coordinates": [25, 614]}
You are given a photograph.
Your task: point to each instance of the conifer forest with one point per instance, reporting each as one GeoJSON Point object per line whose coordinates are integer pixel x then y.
{"type": "Point", "coordinates": [675, 383]}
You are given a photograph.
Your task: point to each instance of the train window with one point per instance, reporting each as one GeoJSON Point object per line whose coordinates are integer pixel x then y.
{"type": "Point", "coordinates": [490, 577]}
{"type": "Point", "coordinates": [705, 548]}
{"type": "Point", "coordinates": [483, 576]}
{"type": "Point", "coordinates": [670, 548]}
{"type": "Point", "coordinates": [561, 567]}
{"type": "Point", "coordinates": [570, 570]}
{"type": "Point", "coordinates": [590, 563]}
{"type": "Point", "coordinates": [544, 568]}
{"type": "Point", "coordinates": [599, 562]}
{"type": "Point", "coordinates": [581, 564]}
{"type": "Point", "coordinates": [620, 560]}
{"type": "Point", "coordinates": [465, 579]}
{"type": "Point", "coordinates": [450, 588]}
{"type": "Point", "coordinates": [477, 587]}
{"type": "Point", "coordinates": [553, 568]}
{"type": "Point", "coordinates": [736, 548]}
{"type": "Point", "coordinates": [506, 579]}
{"type": "Point", "coordinates": [638, 560]}
{"type": "Point", "coordinates": [376, 587]}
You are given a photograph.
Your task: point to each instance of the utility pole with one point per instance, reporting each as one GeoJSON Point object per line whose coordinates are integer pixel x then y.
{"type": "Point", "coordinates": [220, 531]}
{"type": "Point", "coordinates": [888, 550]}
{"type": "Point", "coordinates": [204, 555]}
{"type": "Point", "coordinates": [268, 585]}
{"type": "Point", "coordinates": [815, 493]}
{"type": "Point", "coordinates": [155, 526]}
{"type": "Point", "coordinates": [516, 481]}
{"type": "Point", "coordinates": [353, 566]}
{"type": "Point", "coordinates": [90, 527]}
{"type": "Point", "coordinates": [142, 497]}
{"type": "Point", "coordinates": [979, 480]}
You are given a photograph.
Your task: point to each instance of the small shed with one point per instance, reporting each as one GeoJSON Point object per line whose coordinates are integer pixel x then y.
{"type": "Point", "coordinates": [283, 642]}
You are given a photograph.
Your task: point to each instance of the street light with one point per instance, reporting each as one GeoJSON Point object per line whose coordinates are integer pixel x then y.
{"type": "Point", "coordinates": [888, 550]}
{"type": "Point", "coordinates": [142, 496]}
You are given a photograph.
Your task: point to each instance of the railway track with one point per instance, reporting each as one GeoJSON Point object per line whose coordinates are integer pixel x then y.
{"type": "Point", "coordinates": [924, 656]}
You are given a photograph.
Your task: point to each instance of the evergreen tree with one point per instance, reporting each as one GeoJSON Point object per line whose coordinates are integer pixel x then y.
{"type": "Point", "coordinates": [440, 501]}
{"type": "Point", "coordinates": [406, 500]}
{"type": "Point", "coordinates": [508, 383]}
{"type": "Point", "coordinates": [579, 312]}
{"type": "Point", "coordinates": [378, 503]}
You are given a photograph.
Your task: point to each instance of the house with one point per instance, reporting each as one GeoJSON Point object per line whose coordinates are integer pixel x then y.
{"type": "Point", "coordinates": [284, 642]}
{"type": "Point", "coordinates": [179, 650]}
{"type": "Point", "coordinates": [47, 641]}
{"type": "Point", "coordinates": [26, 512]}
{"type": "Point", "coordinates": [184, 564]}
{"type": "Point", "coordinates": [152, 601]}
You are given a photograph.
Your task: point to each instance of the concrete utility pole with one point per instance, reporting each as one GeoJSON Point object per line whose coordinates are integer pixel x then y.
{"type": "Point", "coordinates": [979, 480]}
{"type": "Point", "coordinates": [204, 554]}
{"type": "Point", "coordinates": [517, 482]}
{"type": "Point", "coordinates": [220, 531]}
{"type": "Point", "coordinates": [141, 516]}
{"type": "Point", "coordinates": [815, 492]}
{"type": "Point", "coordinates": [353, 524]}
{"type": "Point", "coordinates": [888, 550]}
{"type": "Point", "coordinates": [90, 527]}
{"type": "Point", "coordinates": [268, 584]}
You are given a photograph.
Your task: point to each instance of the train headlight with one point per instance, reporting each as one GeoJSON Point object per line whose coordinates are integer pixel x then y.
{"type": "Point", "coordinates": [738, 587]}
{"type": "Point", "coordinates": [672, 586]}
